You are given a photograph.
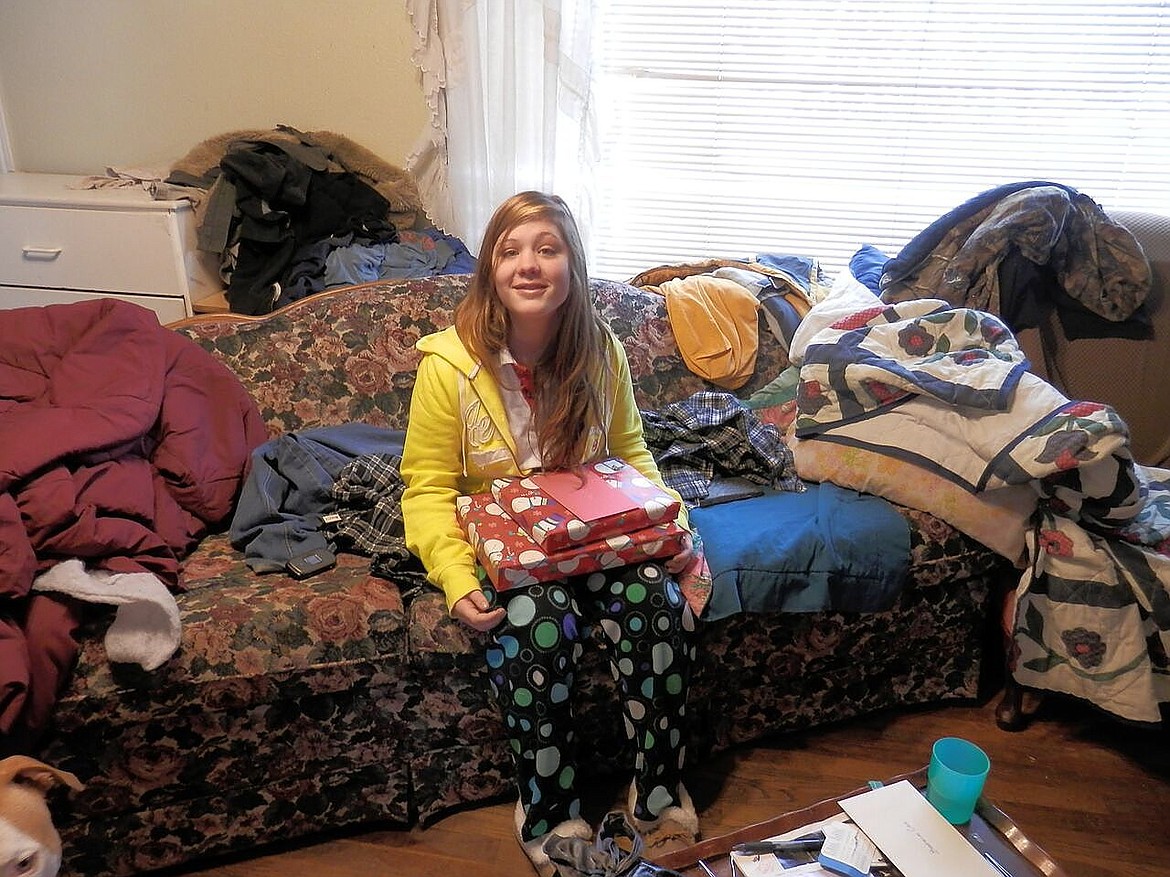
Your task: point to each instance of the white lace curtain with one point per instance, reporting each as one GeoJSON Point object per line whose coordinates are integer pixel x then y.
{"type": "Point", "coordinates": [508, 87]}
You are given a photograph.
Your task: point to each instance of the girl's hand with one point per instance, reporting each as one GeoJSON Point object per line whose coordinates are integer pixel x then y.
{"type": "Point", "coordinates": [473, 611]}
{"type": "Point", "coordinates": [683, 559]}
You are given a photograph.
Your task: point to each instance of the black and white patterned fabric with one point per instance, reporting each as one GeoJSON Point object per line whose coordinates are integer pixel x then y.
{"type": "Point", "coordinates": [368, 513]}
{"type": "Point", "coordinates": [712, 434]}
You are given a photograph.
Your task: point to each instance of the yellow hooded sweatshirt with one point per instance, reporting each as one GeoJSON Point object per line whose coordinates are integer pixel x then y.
{"type": "Point", "coordinates": [458, 440]}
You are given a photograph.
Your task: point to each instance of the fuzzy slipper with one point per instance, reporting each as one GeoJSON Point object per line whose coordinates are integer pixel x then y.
{"type": "Point", "coordinates": [534, 848]}
{"type": "Point", "coordinates": [675, 827]}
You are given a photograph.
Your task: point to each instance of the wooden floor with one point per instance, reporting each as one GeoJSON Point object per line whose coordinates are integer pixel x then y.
{"type": "Point", "coordinates": [1093, 792]}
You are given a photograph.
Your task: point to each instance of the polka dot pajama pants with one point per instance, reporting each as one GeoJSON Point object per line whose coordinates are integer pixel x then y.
{"type": "Point", "coordinates": [647, 634]}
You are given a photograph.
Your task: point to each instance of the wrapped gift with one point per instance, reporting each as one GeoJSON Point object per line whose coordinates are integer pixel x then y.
{"type": "Point", "coordinates": [602, 499]}
{"type": "Point", "coordinates": [512, 558]}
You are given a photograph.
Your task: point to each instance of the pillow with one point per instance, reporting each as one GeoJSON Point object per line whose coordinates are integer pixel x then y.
{"type": "Point", "coordinates": [827, 548]}
{"type": "Point", "coordinates": [996, 518]}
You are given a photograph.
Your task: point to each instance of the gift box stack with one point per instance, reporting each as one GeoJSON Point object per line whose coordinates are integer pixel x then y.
{"type": "Point", "coordinates": [557, 524]}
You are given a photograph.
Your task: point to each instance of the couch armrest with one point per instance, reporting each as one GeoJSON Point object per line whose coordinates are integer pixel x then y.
{"type": "Point", "coordinates": [1131, 376]}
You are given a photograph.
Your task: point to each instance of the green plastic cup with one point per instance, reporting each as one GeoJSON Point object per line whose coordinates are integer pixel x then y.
{"type": "Point", "coordinates": [954, 780]}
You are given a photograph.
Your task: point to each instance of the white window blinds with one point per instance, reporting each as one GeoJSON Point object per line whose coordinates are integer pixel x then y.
{"type": "Point", "coordinates": [810, 128]}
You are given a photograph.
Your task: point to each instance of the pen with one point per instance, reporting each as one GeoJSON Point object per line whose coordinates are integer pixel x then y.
{"type": "Point", "coordinates": [706, 870]}
{"type": "Point", "coordinates": [809, 842]}
{"type": "Point", "coordinates": [998, 867]}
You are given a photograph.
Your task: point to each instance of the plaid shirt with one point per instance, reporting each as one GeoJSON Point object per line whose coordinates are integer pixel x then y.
{"type": "Point", "coordinates": [712, 433]}
{"type": "Point", "coordinates": [368, 513]}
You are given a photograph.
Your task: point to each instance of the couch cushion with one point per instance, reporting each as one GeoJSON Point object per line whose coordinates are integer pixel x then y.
{"type": "Point", "coordinates": [435, 640]}
{"type": "Point", "coordinates": [935, 551]}
{"type": "Point", "coordinates": [256, 651]}
{"type": "Point", "coordinates": [343, 355]}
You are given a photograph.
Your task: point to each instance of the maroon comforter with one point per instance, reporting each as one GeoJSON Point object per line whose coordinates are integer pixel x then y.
{"type": "Point", "coordinates": [121, 442]}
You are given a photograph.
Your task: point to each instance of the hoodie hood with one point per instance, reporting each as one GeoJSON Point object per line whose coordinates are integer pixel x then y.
{"type": "Point", "coordinates": [449, 346]}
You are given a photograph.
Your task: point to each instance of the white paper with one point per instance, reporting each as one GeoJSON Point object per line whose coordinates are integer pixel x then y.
{"type": "Point", "coordinates": [849, 846]}
{"type": "Point", "coordinates": [913, 835]}
{"type": "Point", "coordinates": [769, 865]}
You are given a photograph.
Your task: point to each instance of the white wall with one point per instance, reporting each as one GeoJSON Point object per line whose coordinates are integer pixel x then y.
{"type": "Point", "coordinates": [88, 84]}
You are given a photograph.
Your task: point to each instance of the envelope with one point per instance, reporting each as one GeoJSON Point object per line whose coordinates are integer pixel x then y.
{"type": "Point", "coordinates": [913, 835]}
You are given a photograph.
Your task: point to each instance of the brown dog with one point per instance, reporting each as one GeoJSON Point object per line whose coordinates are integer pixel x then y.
{"type": "Point", "coordinates": [29, 844]}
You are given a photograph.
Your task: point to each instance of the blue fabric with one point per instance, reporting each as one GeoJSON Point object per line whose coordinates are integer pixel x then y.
{"type": "Point", "coordinates": [782, 317]}
{"type": "Point", "coordinates": [801, 270]}
{"type": "Point", "coordinates": [278, 516]}
{"type": "Point", "coordinates": [867, 265]}
{"type": "Point", "coordinates": [423, 253]}
{"type": "Point", "coordinates": [462, 262]}
{"type": "Point", "coordinates": [828, 548]}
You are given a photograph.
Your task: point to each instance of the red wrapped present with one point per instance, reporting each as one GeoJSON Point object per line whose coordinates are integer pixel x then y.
{"type": "Point", "coordinates": [602, 499]}
{"type": "Point", "coordinates": [513, 559]}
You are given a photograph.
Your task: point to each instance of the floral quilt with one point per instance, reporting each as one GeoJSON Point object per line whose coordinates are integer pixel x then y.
{"type": "Point", "coordinates": [1093, 613]}
{"type": "Point", "coordinates": [948, 389]}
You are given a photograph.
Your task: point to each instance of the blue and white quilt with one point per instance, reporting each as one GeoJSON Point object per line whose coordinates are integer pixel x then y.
{"type": "Point", "coordinates": [949, 389]}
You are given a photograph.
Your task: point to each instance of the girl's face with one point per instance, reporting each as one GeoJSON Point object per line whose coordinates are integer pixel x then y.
{"type": "Point", "coordinates": [531, 272]}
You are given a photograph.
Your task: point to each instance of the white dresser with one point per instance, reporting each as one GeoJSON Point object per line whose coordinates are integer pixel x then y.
{"type": "Point", "coordinates": [59, 244]}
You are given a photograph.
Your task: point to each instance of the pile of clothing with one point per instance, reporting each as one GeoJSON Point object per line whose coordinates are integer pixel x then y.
{"type": "Point", "coordinates": [288, 214]}
{"type": "Point", "coordinates": [124, 443]}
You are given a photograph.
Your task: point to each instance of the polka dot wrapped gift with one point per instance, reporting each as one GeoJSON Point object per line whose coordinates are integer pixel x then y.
{"type": "Point", "coordinates": [514, 559]}
{"type": "Point", "coordinates": [601, 499]}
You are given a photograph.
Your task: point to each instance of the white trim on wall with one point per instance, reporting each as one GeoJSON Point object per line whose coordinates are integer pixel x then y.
{"type": "Point", "coordinates": [6, 162]}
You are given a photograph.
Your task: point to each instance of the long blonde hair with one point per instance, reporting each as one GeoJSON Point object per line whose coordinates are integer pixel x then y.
{"type": "Point", "coordinates": [571, 378]}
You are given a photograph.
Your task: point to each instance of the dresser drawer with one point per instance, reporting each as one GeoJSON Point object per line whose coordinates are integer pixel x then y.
{"type": "Point", "coordinates": [167, 308]}
{"type": "Point", "coordinates": [91, 249]}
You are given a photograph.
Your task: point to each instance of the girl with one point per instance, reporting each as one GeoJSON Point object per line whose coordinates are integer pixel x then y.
{"type": "Point", "coordinates": [529, 378]}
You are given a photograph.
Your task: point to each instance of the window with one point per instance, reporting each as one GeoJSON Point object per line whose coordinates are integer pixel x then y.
{"type": "Point", "coordinates": [735, 128]}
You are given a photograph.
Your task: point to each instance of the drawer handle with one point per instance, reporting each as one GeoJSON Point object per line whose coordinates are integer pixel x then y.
{"type": "Point", "coordinates": [42, 254]}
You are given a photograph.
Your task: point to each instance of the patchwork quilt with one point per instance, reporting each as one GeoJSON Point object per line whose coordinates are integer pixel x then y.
{"type": "Point", "coordinates": [948, 389]}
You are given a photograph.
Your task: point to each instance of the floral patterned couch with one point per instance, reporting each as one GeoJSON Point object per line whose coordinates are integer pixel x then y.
{"type": "Point", "coordinates": [298, 706]}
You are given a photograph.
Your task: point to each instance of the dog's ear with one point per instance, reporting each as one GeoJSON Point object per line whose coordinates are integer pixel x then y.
{"type": "Point", "coordinates": [28, 771]}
